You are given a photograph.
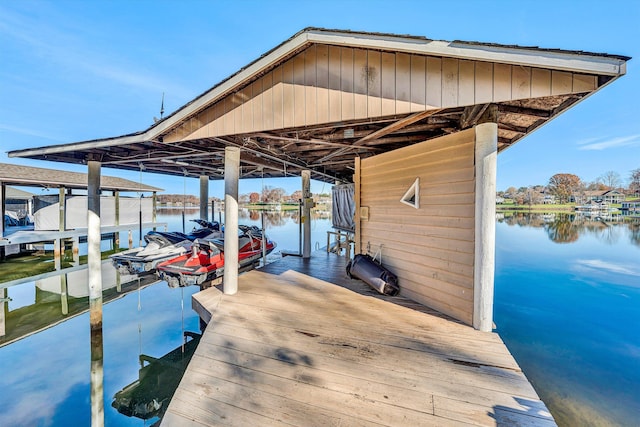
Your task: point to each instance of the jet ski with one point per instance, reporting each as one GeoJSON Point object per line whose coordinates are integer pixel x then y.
{"type": "Point", "coordinates": [160, 246]}
{"type": "Point", "coordinates": [205, 261]}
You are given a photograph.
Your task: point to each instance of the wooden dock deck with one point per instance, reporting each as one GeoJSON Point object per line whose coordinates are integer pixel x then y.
{"type": "Point", "coordinates": [301, 344]}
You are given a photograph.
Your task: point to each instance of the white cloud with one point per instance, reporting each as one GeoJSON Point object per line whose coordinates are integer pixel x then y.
{"type": "Point", "coordinates": [29, 132]}
{"type": "Point", "coordinates": [610, 267]}
{"type": "Point", "coordinates": [68, 45]}
{"type": "Point", "coordinates": [605, 143]}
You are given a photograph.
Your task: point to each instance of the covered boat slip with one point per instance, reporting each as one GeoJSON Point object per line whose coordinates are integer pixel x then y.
{"type": "Point", "coordinates": [302, 344]}
{"type": "Point", "coordinates": [416, 125]}
{"type": "Point", "coordinates": [61, 214]}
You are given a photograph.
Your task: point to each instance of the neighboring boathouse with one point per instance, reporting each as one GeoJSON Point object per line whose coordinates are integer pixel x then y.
{"type": "Point", "coordinates": [61, 213]}
{"type": "Point", "coordinates": [415, 123]}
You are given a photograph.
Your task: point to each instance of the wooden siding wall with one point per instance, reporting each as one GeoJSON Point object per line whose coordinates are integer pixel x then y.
{"type": "Point", "coordinates": [326, 84]}
{"type": "Point", "coordinates": [431, 249]}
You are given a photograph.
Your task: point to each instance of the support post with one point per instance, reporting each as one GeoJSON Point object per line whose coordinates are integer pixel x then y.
{"type": "Point", "coordinates": [3, 192]}
{"type": "Point", "coordinates": [154, 209]}
{"type": "Point", "coordinates": [307, 202]}
{"type": "Point", "coordinates": [62, 201]}
{"type": "Point", "coordinates": [204, 197]}
{"type": "Point", "coordinates": [231, 177]}
{"type": "Point", "coordinates": [357, 249]}
{"type": "Point", "coordinates": [4, 303]}
{"type": "Point", "coordinates": [64, 295]}
{"type": "Point", "coordinates": [95, 294]}
{"type": "Point", "coordinates": [116, 234]}
{"type": "Point", "coordinates": [486, 143]}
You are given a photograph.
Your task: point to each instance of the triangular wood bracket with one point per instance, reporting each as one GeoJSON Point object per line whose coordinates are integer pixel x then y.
{"type": "Point", "coordinates": [412, 196]}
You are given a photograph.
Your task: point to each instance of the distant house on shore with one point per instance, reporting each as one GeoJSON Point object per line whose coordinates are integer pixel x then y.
{"type": "Point", "coordinates": [631, 205]}
{"type": "Point", "coordinates": [606, 196]}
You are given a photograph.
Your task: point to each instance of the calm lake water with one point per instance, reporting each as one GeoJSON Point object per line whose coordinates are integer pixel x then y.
{"type": "Point", "coordinates": [45, 345]}
{"type": "Point", "coordinates": [567, 304]}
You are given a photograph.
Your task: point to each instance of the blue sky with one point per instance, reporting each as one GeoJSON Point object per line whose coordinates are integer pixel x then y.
{"type": "Point", "coordinates": [79, 70]}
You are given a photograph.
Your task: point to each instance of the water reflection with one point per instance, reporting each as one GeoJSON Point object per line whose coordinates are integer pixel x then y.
{"type": "Point", "coordinates": [567, 304]}
{"type": "Point", "coordinates": [569, 227]}
{"type": "Point", "coordinates": [158, 378]}
{"type": "Point", "coordinates": [56, 299]}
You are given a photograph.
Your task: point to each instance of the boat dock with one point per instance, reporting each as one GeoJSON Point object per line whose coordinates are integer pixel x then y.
{"type": "Point", "coordinates": [302, 344]}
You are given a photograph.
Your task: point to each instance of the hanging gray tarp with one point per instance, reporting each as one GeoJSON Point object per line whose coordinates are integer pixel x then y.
{"type": "Point", "coordinates": [344, 207]}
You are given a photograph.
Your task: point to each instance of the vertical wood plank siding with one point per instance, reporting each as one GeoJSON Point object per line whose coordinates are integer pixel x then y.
{"type": "Point", "coordinates": [431, 249]}
{"type": "Point", "coordinates": [324, 84]}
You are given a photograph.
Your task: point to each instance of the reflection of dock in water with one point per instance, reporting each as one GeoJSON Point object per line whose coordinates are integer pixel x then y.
{"type": "Point", "coordinates": [60, 297]}
{"type": "Point", "coordinates": [149, 395]}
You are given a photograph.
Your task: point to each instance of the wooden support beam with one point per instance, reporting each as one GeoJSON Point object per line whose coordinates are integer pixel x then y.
{"type": "Point", "coordinates": [95, 294]}
{"type": "Point", "coordinates": [386, 130]}
{"type": "Point", "coordinates": [307, 203]}
{"type": "Point", "coordinates": [231, 177]}
{"type": "Point", "coordinates": [485, 225]}
{"type": "Point", "coordinates": [204, 197]}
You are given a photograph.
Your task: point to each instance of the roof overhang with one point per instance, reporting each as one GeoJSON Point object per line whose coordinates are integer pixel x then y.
{"type": "Point", "coordinates": [286, 150]}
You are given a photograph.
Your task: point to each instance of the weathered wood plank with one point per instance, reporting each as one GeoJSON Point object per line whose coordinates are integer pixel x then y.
{"type": "Point", "coordinates": [291, 349]}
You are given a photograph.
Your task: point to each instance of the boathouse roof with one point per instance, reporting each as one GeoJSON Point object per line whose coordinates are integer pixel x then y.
{"type": "Point", "coordinates": [33, 176]}
{"type": "Point", "coordinates": [324, 97]}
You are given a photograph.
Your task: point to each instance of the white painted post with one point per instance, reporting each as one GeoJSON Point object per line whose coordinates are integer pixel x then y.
{"type": "Point", "coordinates": [154, 211]}
{"type": "Point", "coordinates": [2, 196]}
{"type": "Point", "coordinates": [4, 303]}
{"type": "Point", "coordinates": [95, 294]}
{"type": "Point", "coordinates": [231, 176]}
{"type": "Point", "coordinates": [485, 225]}
{"type": "Point", "coordinates": [204, 197]}
{"type": "Point", "coordinates": [307, 201]}
{"type": "Point", "coordinates": [57, 250]}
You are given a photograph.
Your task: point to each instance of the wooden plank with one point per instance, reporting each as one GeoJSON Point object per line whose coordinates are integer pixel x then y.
{"type": "Point", "coordinates": [521, 82]}
{"type": "Point", "coordinates": [467, 83]}
{"type": "Point", "coordinates": [463, 137]}
{"type": "Point", "coordinates": [257, 104]}
{"type": "Point", "coordinates": [228, 116]}
{"type": "Point", "coordinates": [318, 375]}
{"type": "Point", "coordinates": [335, 94]}
{"type": "Point", "coordinates": [418, 83]}
{"type": "Point", "coordinates": [561, 82]}
{"type": "Point", "coordinates": [299, 91]}
{"type": "Point", "coordinates": [429, 188]}
{"type": "Point", "coordinates": [483, 91]}
{"type": "Point", "coordinates": [450, 82]}
{"type": "Point", "coordinates": [246, 117]}
{"type": "Point", "coordinates": [216, 125]}
{"type": "Point", "coordinates": [584, 83]}
{"type": "Point", "coordinates": [288, 106]}
{"type": "Point", "coordinates": [360, 83]}
{"type": "Point", "coordinates": [270, 388]}
{"type": "Point", "coordinates": [501, 82]}
{"type": "Point", "coordinates": [278, 97]}
{"type": "Point", "coordinates": [322, 83]}
{"type": "Point", "coordinates": [296, 350]}
{"type": "Point", "coordinates": [433, 162]}
{"type": "Point", "coordinates": [374, 84]}
{"type": "Point", "coordinates": [267, 101]}
{"type": "Point", "coordinates": [310, 86]}
{"type": "Point", "coordinates": [352, 321]}
{"type": "Point", "coordinates": [395, 126]}
{"type": "Point", "coordinates": [434, 82]}
{"type": "Point", "coordinates": [403, 83]}
{"type": "Point", "coordinates": [540, 82]}
{"type": "Point", "coordinates": [388, 83]}
{"type": "Point", "coordinates": [347, 83]}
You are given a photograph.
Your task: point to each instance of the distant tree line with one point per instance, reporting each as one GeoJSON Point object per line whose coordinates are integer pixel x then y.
{"type": "Point", "coordinates": [267, 195]}
{"type": "Point", "coordinates": [565, 186]}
